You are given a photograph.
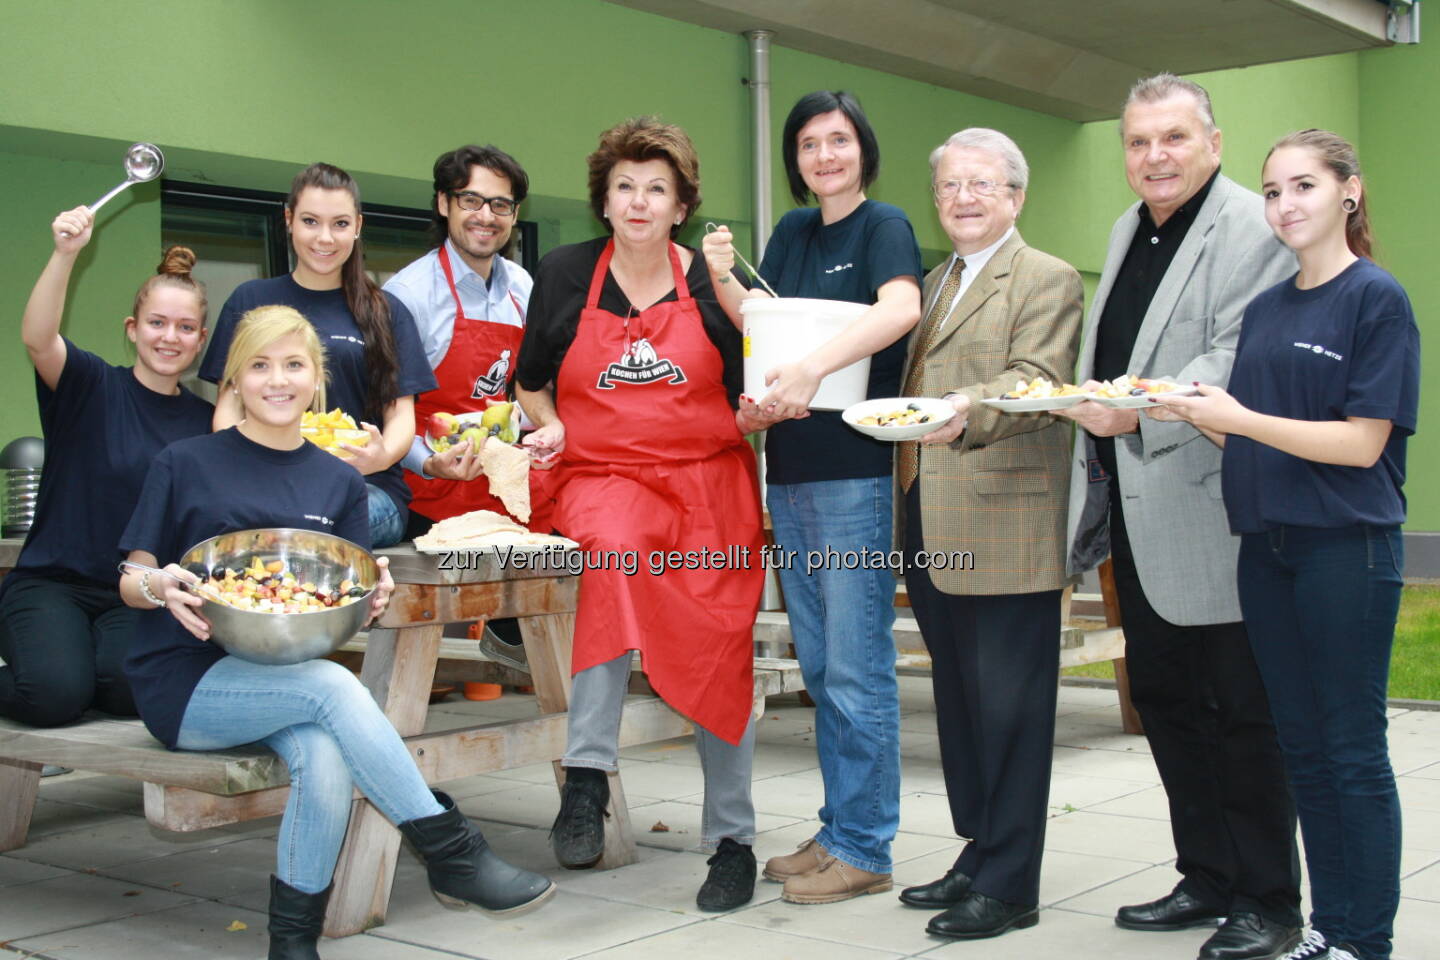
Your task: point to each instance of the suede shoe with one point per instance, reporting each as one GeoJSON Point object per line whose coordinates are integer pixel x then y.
{"type": "Point", "coordinates": [808, 856]}
{"type": "Point", "coordinates": [1249, 936]}
{"type": "Point", "coordinates": [1176, 910]}
{"type": "Point", "coordinates": [578, 835]}
{"type": "Point", "coordinates": [938, 894]}
{"type": "Point", "coordinates": [731, 882]}
{"type": "Point", "coordinates": [978, 917]}
{"type": "Point", "coordinates": [834, 880]}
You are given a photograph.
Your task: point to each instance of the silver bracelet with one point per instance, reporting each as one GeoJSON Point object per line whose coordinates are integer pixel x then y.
{"type": "Point", "coordinates": [145, 590]}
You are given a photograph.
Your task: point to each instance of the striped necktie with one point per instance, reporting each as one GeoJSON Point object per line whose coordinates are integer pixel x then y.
{"type": "Point", "coordinates": [915, 379]}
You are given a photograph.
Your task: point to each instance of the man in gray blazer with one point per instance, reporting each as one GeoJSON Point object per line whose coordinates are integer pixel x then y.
{"type": "Point", "coordinates": [1182, 264]}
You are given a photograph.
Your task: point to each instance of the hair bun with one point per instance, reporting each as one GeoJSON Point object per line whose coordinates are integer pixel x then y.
{"type": "Point", "coordinates": [177, 262]}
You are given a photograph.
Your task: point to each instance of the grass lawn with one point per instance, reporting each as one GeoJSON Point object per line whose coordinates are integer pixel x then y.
{"type": "Point", "coordinates": [1414, 664]}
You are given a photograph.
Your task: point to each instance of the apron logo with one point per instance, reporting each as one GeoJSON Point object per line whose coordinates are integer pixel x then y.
{"type": "Point", "coordinates": [493, 382]}
{"type": "Point", "coordinates": [639, 365]}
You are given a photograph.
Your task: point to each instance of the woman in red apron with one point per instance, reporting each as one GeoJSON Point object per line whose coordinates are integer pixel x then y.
{"type": "Point", "coordinates": [629, 367]}
{"type": "Point", "coordinates": [477, 370]}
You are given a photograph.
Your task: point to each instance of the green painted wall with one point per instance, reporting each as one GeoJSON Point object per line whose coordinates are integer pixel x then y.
{"type": "Point", "coordinates": [244, 93]}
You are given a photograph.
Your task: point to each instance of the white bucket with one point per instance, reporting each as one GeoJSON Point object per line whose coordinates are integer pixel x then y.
{"type": "Point", "coordinates": [786, 329]}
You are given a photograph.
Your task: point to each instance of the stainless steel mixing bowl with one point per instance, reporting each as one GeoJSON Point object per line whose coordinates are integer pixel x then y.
{"type": "Point", "coordinates": [319, 558]}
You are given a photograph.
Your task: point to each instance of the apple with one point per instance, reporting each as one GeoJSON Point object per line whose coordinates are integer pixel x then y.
{"type": "Point", "coordinates": [441, 425]}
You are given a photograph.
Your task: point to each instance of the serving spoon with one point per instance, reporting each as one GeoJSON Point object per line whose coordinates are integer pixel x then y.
{"type": "Point", "coordinates": [143, 163]}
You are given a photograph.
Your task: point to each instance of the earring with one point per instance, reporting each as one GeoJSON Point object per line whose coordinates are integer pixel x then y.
{"type": "Point", "coordinates": [1348, 205]}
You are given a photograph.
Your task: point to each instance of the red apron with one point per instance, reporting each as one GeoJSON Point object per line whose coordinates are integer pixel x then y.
{"type": "Point", "coordinates": [479, 365]}
{"type": "Point", "coordinates": [654, 464]}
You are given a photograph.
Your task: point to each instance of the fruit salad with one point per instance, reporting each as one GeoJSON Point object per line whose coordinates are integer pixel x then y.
{"type": "Point", "coordinates": [271, 588]}
{"type": "Point", "coordinates": [912, 414]}
{"type": "Point", "coordinates": [1041, 389]}
{"type": "Point", "coordinates": [328, 430]}
{"type": "Point", "coordinates": [1128, 386]}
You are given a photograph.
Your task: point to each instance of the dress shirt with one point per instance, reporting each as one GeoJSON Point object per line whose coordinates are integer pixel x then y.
{"type": "Point", "coordinates": [974, 263]}
{"type": "Point", "coordinates": [421, 286]}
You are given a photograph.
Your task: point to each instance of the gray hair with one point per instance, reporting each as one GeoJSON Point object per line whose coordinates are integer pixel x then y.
{"type": "Point", "coordinates": [1163, 86]}
{"type": "Point", "coordinates": [1017, 171]}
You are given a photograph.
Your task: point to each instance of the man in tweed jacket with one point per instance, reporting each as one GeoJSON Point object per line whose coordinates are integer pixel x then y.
{"type": "Point", "coordinates": [992, 485]}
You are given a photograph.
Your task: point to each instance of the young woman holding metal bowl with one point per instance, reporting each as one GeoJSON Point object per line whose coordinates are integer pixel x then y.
{"type": "Point", "coordinates": [316, 715]}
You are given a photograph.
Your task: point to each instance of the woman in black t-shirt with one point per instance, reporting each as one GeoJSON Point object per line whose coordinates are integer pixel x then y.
{"type": "Point", "coordinates": [316, 715]}
{"type": "Point", "coordinates": [1322, 398]}
{"type": "Point", "coordinates": [63, 627]}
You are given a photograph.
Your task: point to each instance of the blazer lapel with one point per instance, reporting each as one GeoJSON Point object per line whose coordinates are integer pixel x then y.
{"type": "Point", "coordinates": [1120, 239]}
{"type": "Point", "coordinates": [1167, 296]}
{"type": "Point", "coordinates": [984, 287]}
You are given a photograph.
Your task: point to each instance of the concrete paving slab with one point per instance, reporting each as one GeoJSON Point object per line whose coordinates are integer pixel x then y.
{"type": "Point", "coordinates": [726, 939]}
{"type": "Point", "coordinates": [49, 906]}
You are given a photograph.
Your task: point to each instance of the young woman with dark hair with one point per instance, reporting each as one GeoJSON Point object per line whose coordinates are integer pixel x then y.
{"type": "Point", "coordinates": [376, 361]}
{"type": "Point", "coordinates": [1321, 401]}
{"type": "Point", "coordinates": [64, 630]}
{"type": "Point", "coordinates": [830, 487]}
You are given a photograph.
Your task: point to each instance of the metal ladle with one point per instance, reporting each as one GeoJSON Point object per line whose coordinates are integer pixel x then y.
{"type": "Point", "coordinates": [143, 163]}
{"type": "Point", "coordinates": [711, 228]}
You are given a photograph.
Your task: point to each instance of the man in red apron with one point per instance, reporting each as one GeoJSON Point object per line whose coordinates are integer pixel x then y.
{"type": "Point", "coordinates": [469, 304]}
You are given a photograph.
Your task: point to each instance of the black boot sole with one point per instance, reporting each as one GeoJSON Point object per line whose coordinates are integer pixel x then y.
{"type": "Point", "coordinates": [455, 903]}
{"type": "Point", "coordinates": [1169, 927]}
{"type": "Point", "coordinates": [1022, 922]}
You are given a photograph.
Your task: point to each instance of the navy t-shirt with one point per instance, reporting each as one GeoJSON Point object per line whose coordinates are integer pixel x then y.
{"type": "Point", "coordinates": [102, 428]}
{"type": "Point", "coordinates": [344, 352]}
{"type": "Point", "coordinates": [850, 259]}
{"type": "Point", "coordinates": [1347, 348]}
{"type": "Point", "coordinates": [200, 488]}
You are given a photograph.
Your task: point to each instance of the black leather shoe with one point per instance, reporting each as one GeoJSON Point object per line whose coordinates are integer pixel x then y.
{"type": "Point", "coordinates": [938, 894]}
{"type": "Point", "coordinates": [578, 835]}
{"type": "Point", "coordinates": [977, 917]}
{"type": "Point", "coordinates": [1249, 936]}
{"type": "Point", "coordinates": [731, 881]}
{"type": "Point", "coordinates": [1174, 911]}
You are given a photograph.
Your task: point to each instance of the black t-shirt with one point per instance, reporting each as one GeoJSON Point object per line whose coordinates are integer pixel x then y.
{"type": "Point", "coordinates": [346, 382]}
{"type": "Point", "coordinates": [1347, 348]}
{"type": "Point", "coordinates": [203, 487]}
{"type": "Point", "coordinates": [850, 260]}
{"type": "Point", "coordinates": [562, 285]}
{"type": "Point", "coordinates": [102, 429]}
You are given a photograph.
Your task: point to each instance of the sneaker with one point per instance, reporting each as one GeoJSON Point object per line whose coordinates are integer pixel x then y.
{"type": "Point", "coordinates": [808, 856]}
{"type": "Point", "coordinates": [731, 882]}
{"type": "Point", "coordinates": [1313, 947]}
{"type": "Point", "coordinates": [55, 770]}
{"type": "Point", "coordinates": [502, 651]}
{"type": "Point", "coordinates": [1343, 951]}
{"type": "Point", "coordinates": [578, 834]}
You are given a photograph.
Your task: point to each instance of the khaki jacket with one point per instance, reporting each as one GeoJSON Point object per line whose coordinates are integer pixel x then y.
{"type": "Point", "coordinates": [999, 491]}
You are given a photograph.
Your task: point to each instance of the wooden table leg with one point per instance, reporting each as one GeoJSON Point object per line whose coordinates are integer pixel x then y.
{"type": "Point", "coordinates": [19, 785]}
{"type": "Point", "coordinates": [547, 648]}
{"type": "Point", "coordinates": [1129, 716]}
{"type": "Point", "coordinates": [399, 667]}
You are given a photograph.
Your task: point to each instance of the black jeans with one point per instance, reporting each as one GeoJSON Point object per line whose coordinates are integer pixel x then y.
{"type": "Point", "coordinates": [1200, 696]}
{"type": "Point", "coordinates": [1321, 606]}
{"type": "Point", "coordinates": [64, 647]}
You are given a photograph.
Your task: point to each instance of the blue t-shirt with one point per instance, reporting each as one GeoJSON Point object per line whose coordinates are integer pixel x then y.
{"type": "Point", "coordinates": [850, 259]}
{"type": "Point", "coordinates": [203, 487]}
{"type": "Point", "coordinates": [344, 352]}
{"type": "Point", "coordinates": [102, 428]}
{"type": "Point", "coordinates": [1347, 348]}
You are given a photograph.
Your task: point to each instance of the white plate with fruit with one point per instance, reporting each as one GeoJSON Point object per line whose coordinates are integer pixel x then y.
{"type": "Point", "coordinates": [1037, 395]}
{"type": "Point", "coordinates": [1132, 393]}
{"type": "Point", "coordinates": [898, 418]}
{"type": "Point", "coordinates": [445, 430]}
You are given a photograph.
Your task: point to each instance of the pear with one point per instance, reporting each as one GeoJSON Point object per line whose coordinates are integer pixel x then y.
{"type": "Point", "coordinates": [498, 421]}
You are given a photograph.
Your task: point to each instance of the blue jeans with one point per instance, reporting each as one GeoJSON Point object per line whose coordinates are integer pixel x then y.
{"type": "Point", "coordinates": [387, 523]}
{"type": "Point", "coordinates": [1320, 606]}
{"type": "Point", "coordinates": [840, 622]}
{"type": "Point", "coordinates": [331, 734]}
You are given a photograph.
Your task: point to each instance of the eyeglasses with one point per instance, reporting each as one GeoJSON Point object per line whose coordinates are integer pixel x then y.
{"type": "Point", "coordinates": [979, 186]}
{"type": "Point", "coordinates": [474, 202]}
